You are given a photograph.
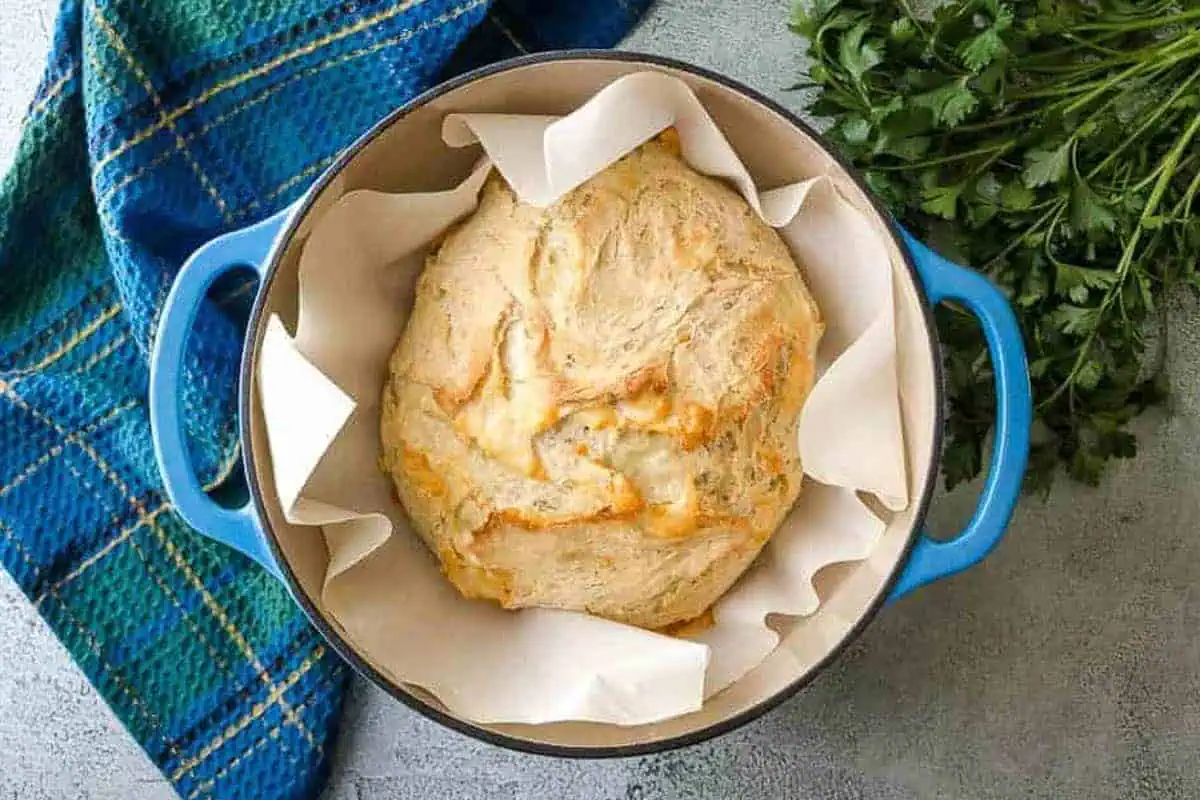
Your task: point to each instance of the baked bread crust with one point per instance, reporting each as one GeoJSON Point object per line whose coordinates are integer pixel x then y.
{"type": "Point", "coordinates": [594, 405]}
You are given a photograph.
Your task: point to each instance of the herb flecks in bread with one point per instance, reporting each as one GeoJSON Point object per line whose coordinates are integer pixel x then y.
{"type": "Point", "coordinates": [594, 405]}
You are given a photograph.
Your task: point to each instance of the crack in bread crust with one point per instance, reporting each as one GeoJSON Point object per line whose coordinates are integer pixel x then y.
{"type": "Point", "coordinates": [594, 406]}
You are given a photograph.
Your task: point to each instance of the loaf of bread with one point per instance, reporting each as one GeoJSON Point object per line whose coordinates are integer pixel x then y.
{"type": "Point", "coordinates": [594, 405]}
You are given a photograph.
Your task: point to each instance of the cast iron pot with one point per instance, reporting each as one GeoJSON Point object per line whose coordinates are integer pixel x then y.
{"type": "Point", "coordinates": [404, 152]}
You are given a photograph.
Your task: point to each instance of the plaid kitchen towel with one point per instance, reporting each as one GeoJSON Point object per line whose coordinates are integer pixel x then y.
{"type": "Point", "coordinates": [157, 127]}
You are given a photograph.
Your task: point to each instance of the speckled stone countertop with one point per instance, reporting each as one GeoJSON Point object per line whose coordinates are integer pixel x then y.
{"type": "Point", "coordinates": [1065, 666]}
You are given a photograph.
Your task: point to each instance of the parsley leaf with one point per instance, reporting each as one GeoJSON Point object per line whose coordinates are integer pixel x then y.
{"type": "Point", "coordinates": [1046, 166]}
{"type": "Point", "coordinates": [950, 104]}
{"type": "Point", "coordinates": [855, 130]}
{"type": "Point", "coordinates": [942, 201]}
{"type": "Point", "coordinates": [988, 188]}
{"type": "Point", "coordinates": [807, 18]}
{"type": "Point", "coordinates": [1070, 279]}
{"type": "Point", "coordinates": [1015, 196]}
{"type": "Point", "coordinates": [902, 30]}
{"type": "Point", "coordinates": [978, 52]}
{"type": "Point", "coordinates": [1075, 320]}
{"type": "Point", "coordinates": [910, 148]}
{"type": "Point", "coordinates": [1089, 375]}
{"type": "Point", "coordinates": [857, 56]}
{"type": "Point", "coordinates": [1088, 212]}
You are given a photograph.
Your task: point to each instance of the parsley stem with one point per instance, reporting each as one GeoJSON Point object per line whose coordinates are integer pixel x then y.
{"type": "Point", "coordinates": [1118, 56]}
{"type": "Point", "coordinates": [1046, 240]}
{"type": "Point", "coordinates": [1152, 119]}
{"type": "Point", "coordinates": [1141, 25]}
{"type": "Point", "coordinates": [1125, 75]}
{"type": "Point", "coordinates": [997, 122]}
{"type": "Point", "coordinates": [1093, 44]}
{"type": "Point", "coordinates": [1019, 239]}
{"type": "Point", "coordinates": [987, 162]}
{"type": "Point", "coordinates": [1058, 52]}
{"type": "Point", "coordinates": [908, 12]}
{"type": "Point", "coordinates": [1078, 69]}
{"type": "Point", "coordinates": [1183, 208]}
{"type": "Point", "coordinates": [1153, 176]}
{"type": "Point", "coordinates": [1056, 91]}
{"type": "Point", "coordinates": [1001, 148]}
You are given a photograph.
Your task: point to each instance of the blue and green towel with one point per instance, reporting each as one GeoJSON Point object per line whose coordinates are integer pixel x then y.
{"type": "Point", "coordinates": [158, 126]}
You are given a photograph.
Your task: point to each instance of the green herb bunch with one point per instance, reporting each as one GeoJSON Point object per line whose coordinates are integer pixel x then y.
{"type": "Point", "coordinates": [1053, 145]}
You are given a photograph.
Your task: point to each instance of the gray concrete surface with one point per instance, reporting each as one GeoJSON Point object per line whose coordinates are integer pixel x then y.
{"type": "Point", "coordinates": [1065, 666]}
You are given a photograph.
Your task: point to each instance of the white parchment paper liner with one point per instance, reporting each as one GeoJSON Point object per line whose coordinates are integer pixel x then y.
{"type": "Point", "coordinates": [320, 394]}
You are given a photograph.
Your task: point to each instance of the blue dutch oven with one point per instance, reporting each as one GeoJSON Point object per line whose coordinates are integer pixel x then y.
{"type": "Point", "coordinates": [404, 153]}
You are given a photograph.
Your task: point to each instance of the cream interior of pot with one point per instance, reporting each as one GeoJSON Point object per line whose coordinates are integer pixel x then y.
{"type": "Point", "coordinates": [409, 156]}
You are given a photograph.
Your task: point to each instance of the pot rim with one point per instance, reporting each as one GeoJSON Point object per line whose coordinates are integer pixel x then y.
{"type": "Point", "coordinates": [399, 692]}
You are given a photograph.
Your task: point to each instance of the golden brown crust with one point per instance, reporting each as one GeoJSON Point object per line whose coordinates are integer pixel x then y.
{"type": "Point", "coordinates": [690, 628]}
{"type": "Point", "coordinates": [594, 405]}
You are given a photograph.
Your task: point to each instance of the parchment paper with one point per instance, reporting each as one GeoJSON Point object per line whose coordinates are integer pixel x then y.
{"type": "Point", "coordinates": [320, 394]}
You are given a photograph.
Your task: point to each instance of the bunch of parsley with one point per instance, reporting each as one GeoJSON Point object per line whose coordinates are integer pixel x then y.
{"type": "Point", "coordinates": [1055, 146]}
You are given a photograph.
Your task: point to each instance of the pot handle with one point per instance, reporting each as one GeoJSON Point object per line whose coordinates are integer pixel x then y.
{"type": "Point", "coordinates": [943, 280]}
{"type": "Point", "coordinates": [237, 527]}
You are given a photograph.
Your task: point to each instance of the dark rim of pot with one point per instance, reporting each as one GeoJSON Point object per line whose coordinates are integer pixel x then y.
{"type": "Point", "coordinates": [399, 692]}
